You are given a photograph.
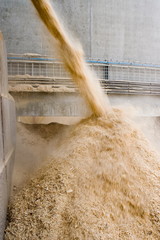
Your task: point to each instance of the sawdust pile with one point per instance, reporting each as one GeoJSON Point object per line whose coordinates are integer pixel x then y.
{"type": "Point", "coordinates": [72, 55]}
{"type": "Point", "coordinates": [103, 183]}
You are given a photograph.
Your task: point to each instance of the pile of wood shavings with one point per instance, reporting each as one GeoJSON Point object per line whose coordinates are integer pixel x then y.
{"type": "Point", "coordinates": [103, 184]}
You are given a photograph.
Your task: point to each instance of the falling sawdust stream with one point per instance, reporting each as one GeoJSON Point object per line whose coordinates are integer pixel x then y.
{"type": "Point", "coordinates": [72, 56]}
{"type": "Point", "coordinates": [103, 181]}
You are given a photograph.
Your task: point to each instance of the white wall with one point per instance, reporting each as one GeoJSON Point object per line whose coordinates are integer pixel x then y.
{"type": "Point", "coordinates": [115, 30]}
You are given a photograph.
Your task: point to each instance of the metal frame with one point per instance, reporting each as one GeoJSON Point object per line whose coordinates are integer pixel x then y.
{"type": "Point", "coordinates": [120, 78]}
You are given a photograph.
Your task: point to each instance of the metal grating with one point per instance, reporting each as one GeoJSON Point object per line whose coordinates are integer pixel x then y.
{"type": "Point", "coordinates": [119, 78]}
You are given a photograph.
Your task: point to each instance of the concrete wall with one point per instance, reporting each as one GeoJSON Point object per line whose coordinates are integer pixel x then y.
{"type": "Point", "coordinates": [7, 154]}
{"type": "Point", "coordinates": [7, 138]}
{"type": "Point", "coordinates": [50, 104]}
{"type": "Point", "coordinates": [46, 105]}
{"type": "Point", "coordinates": [115, 30]}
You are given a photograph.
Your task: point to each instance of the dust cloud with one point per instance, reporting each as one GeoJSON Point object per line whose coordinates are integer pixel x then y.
{"type": "Point", "coordinates": [150, 126]}
{"type": "Point", "coordinates": [35, 144]}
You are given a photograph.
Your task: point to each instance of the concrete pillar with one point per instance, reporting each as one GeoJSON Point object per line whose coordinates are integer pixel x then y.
{"type": "Point", "coordinates": [7, 137]}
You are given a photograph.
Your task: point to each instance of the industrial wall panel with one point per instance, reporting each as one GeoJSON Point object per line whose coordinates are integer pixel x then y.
{"type": "Point", "coordinates": [9, 171]}
{"type": "Point", "coordinates": [50, 104]}
{"type": "Point", "coordinates": [1, 136]}
{"type": "Point", "coordinates": [8, 110]}
{"type": "Point", "coordinates": [7, 137]}
{"type": "Point", "coordinates": [119, 30]}
{"type": "Point", "coordinates": [3, 68]}
{"type": "Point", "coordinates": [3, 201]}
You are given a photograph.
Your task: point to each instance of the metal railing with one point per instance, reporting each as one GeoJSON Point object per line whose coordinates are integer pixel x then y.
{"type": "Point", "coordinates": [120, 78]}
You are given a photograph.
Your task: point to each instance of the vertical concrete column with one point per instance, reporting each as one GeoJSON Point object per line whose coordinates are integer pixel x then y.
{"type": "Point", "coordinates": [3, 68]}
{"type": "Point", "coordinates": [7, 137]}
